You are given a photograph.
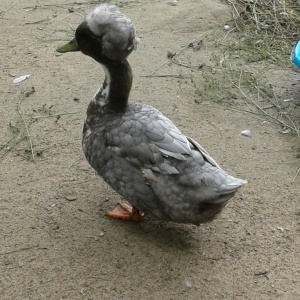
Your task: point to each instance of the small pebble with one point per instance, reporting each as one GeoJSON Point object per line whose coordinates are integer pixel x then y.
{"type": "Point", "coordinates": [188, 282]}
{"type": "Point", "coordinates": [170, 54]}
{"type": "Point", "coordinates": [246, 133]}
{"type": "Point", "coordinates": [28, 93]}
{"type": "Point", "coordinates": [71, 198]}
{"type": "Point", "coordinates": [280, 228]}
{"type": "Point", "coordinates": [173, 3]}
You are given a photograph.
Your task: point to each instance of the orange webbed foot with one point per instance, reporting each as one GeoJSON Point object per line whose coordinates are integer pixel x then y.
{"type": "Point", "coordinates": [123, 211]}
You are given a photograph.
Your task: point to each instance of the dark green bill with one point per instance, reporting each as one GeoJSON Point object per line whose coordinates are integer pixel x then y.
{"type": "Point", "coordinates": [71, 46]}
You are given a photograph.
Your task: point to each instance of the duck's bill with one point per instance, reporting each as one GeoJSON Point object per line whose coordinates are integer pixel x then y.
{"type": "Point", "coordinates": [71, 46]}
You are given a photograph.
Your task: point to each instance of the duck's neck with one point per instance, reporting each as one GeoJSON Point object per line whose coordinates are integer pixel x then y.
{"type": "Point", "coordinates": [113, 95]}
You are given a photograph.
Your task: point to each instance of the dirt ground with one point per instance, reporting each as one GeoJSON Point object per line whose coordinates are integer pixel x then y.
{"type": "Point", "coordinates": [55, 241]}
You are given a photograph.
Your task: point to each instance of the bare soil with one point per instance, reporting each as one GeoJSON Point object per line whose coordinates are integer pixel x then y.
{"type": "Point", "coordinates": [55, 241]}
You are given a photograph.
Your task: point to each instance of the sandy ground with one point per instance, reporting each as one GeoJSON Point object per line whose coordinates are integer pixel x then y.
{"type": "Point", "coordinates": [55, 241]}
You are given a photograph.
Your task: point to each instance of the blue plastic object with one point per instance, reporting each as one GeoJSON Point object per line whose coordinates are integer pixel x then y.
{"type": "Point", "coordinates": [295, 54]}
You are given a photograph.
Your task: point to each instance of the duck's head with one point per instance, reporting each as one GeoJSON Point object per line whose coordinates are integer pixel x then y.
{"type": "Point", "coordinates": [105, 34]}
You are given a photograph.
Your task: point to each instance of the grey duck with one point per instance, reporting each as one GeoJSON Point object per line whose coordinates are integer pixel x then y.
{"type": "Point", "coordinates": [136, 149]}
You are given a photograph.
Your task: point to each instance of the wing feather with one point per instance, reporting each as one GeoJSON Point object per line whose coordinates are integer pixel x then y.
{"type": "Point", "coordinates": [146, 139]}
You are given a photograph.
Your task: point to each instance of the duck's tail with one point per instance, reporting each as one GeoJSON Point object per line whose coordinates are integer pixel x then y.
{"type": "Point", "coordinates": [229, 188]}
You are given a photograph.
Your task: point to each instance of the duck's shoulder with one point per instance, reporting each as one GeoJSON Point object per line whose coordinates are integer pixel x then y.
{"type": "Point", "coordinates": [139, 118]}
{"type": "Point", "coordinates": [156, 128]}
{"type": "Point", "coordinates": [139, 111]}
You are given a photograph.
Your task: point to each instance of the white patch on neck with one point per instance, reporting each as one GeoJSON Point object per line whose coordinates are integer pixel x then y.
{"type": "Point", "coordinates": [102, 95]}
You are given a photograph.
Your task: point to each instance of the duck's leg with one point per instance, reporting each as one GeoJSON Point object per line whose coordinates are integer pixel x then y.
{"type": "Point", "coordinates": [124, 211]}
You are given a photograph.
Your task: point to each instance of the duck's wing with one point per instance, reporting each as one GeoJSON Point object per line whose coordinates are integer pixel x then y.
{"type": "Point", "coordinates": [168, 138]}
{"type": "Point", "coordinates": [205, 154]}
{"type": "Point", "coordinates": [147, 138]}
{"type": "Point", "coordinates": [151, 142]}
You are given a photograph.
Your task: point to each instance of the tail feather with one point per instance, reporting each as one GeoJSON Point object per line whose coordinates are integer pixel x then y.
{"type": "Point", "coordinates": [228, 189]}
{"type": "Point", "coordinates": [232, 184]}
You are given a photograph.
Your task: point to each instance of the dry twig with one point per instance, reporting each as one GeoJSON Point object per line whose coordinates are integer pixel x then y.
{"type": "Point", "coordinates": [9, 8]}
{"type": "Point", "coordinates": [177, 53]}
{"type": "Point", "coordinates": [19, 250]}
{"type": "Point", "coordinates": [56, 115]}
{"type": "Point", "coordinates": [263, 111]}
{"type": "Point", "coordinates": [26, 127]}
